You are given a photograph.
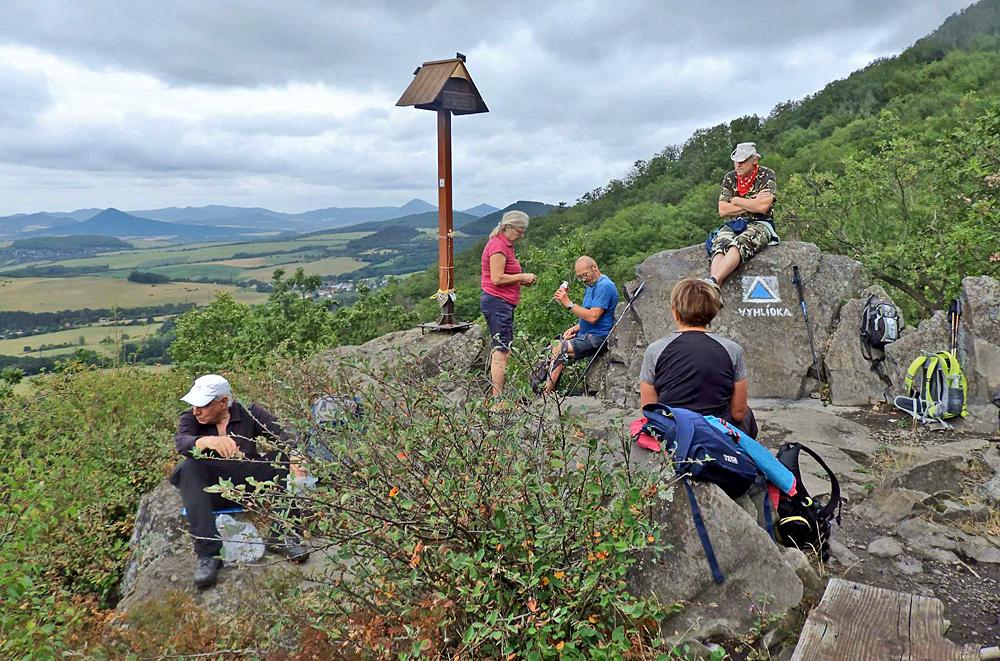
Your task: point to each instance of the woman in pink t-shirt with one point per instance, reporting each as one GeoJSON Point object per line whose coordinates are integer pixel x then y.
{"type": "Point", "coordinates": [501, 282]}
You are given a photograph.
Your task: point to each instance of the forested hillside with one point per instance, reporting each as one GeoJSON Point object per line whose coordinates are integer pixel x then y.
{"type": "Point", "coordinates": [897, 165]}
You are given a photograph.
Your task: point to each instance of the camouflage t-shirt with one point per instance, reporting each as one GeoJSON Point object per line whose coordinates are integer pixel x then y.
{"type": "Point", "coordinates": [764, 181]}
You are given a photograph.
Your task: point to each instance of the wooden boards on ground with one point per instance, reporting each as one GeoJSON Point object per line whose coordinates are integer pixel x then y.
{"type": "Point", "coordinates": [865, 623]}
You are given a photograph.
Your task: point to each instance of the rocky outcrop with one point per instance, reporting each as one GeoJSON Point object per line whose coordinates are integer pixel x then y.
{"type": "Point", "coordinates": [759, 573]}
{"type": "Point", "coordinates": [162, 560]}
{"type": "Point", "coordinates": [978, 349]}
{"type": "Point", "coordinates": [761, 313]}
{"type": "Point", "coordinates": [852, 380]}
{"type": "Point", "coordinates": [981, 316]}
{"type": "Point", "coordinates": [422, 352]}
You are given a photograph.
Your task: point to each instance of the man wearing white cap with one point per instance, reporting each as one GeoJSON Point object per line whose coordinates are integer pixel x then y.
{"type": "Point", "coordinates": [225, 431]}
{"type": "Point", "coordinates": [746, 200]}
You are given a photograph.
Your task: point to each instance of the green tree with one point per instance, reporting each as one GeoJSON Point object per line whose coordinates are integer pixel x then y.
{"type": "Point", "coordinates": [294, 321]}
{"type": "Point", "coordinates": [920, 213]}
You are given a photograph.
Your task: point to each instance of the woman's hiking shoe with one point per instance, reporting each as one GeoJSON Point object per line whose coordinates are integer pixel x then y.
{"type": "Point", "coordinates": [206, 571]}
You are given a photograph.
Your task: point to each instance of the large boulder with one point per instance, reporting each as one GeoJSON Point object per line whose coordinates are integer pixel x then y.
{"type": "Point", "coordinates": [162, 560]}
{"type": "Point", "coordinates": [981, 316]}
{"type": "Point", "coordinates": [756, 569]}
{"type": "Point", "coordinates": [758, 576]}
{"type": "Point", "coordinates": [425, 353]}
{"type": "Point", "coordinates": [852, 380]}
{"type": "Point", "coordinates": [978, 349]}
{"type": "Point", "coordinates": [761, 313]}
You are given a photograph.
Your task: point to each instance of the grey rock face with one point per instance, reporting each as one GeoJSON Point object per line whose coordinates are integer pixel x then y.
{"type": "Point", "coordinates": [428, 353]}
{"type": "Point", "coordinates": [752, 563]}
{"type": "Point", "coordinates": [981, 318]}
{"type": "Point", "coordinates": [931, 475]}
{"type": "Point", "coordinates": [887, 506]}
{"type": "Point", "coordinates": [934, 541]}
{"type": "Point", "coordinates": [885, 547]}
{"type": "Point", "coordinates": [163, 559]}
{"type": "Point", "coordinates": [852, 381]}
{"type": "Point", "coordinates": [761, 313]}
{"type": "Point", "coordinates": [754, 567]}
{"type": "Point", "coordinates": [909, 566]}
{"type": "Point", "coordinates": [842, 554]}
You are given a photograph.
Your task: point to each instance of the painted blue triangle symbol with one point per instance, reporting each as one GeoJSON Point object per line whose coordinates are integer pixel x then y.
{"type": "Point", "coordinates": [760, 292]}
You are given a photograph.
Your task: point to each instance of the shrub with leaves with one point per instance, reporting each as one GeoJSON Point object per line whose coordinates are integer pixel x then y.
{"type": "Point", "coordinates": [77, 452]}
{"type": "Point", "coordinates": [462, 529]}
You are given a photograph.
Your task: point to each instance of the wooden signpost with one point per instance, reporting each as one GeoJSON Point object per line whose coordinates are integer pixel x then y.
{"type": "Point", "coordinates": [445, 87]}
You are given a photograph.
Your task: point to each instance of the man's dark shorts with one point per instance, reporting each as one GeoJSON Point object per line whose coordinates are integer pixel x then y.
{"type": "Point", "coordinates": [586, 345]}
{"type": "Point", "coordinates": [499, 320]}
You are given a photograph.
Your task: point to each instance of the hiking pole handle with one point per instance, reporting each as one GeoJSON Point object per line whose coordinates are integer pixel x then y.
{"type": "Point", "coordinates": [797, 281]}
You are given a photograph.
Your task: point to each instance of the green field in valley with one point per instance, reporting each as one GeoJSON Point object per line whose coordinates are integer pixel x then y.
{"type": "Point", "coordinates": [325, 266]}
{"type": "Point", "coordinates": [50, 294]}
{"type": "Point", "coordinates": [166, 256]}
{"type": "Point", "coordinates": [92, 336]}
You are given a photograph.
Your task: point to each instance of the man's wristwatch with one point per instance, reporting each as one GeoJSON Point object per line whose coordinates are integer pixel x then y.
{"type": "Point", "coordinates": [570, 306]}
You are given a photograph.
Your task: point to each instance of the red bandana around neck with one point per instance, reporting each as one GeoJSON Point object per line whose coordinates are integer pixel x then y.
{"type": "Point", "coordinates": [744, 184]}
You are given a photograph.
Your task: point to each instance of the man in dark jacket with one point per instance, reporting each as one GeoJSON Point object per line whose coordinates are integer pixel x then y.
{"type": "Point", "coordinates": [225, 432]}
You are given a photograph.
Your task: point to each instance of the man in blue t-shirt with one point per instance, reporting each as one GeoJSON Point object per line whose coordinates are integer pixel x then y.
{"type": "Point", "coordinates": [596, 317]}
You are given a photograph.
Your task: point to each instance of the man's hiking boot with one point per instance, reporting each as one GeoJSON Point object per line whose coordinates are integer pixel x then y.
{"type": "Point", "coordinates": [290, 546]}
{"type": "Point", "coordinates": [206, 571]}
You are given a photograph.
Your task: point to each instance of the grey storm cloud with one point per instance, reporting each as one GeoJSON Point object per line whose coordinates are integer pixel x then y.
{"type": "Point", "coordinates": [25, 95]}
{"type": "Point", "coordinates": [577, 90]}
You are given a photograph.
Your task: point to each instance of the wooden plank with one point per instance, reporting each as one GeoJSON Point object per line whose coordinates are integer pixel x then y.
{"type": "Point", "coordinates": [865, 623]}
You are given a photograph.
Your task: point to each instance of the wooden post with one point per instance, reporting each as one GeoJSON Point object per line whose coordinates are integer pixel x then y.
{"type": "Point", "coordinates": [446, 250]}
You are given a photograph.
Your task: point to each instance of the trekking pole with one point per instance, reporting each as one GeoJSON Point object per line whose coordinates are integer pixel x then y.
{"type": "Point", "coordinates": [628, 306]}
{"type": "Point", "coordinates": [954, 315]}
{"type": "Point", "coordinates": [797, 281]}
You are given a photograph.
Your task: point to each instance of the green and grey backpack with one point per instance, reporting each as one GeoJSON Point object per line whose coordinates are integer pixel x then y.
{"type": "Point", "coordinates": [936, 387]}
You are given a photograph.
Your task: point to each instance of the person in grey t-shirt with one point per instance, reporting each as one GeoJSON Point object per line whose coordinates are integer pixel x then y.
{"type": "Point", "coordinates": [694, 368]}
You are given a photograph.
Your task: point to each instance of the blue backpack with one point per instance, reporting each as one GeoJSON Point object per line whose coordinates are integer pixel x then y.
{"type": "Point", "coordinates": [701, 451]}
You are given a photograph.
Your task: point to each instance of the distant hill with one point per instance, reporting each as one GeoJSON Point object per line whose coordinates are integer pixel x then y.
{"type": "Point", "coordinates": [252, 218]}
{"type": "Point", "coordinates": [484, 225]}
{"type": "Point", "coordinates": [481, 210]}
{"type": "Point", "coordinates": [387, 237]}
{"type": "Point", "coordinates": [112, 222]}
{"type": "Point", "coordinates": [340, 217]}
{"type": "Point", "coordinates": [11, 226]}
{"type": "Point", "coordinates": [200, 215]}
{"type": "Point", "coordinates": [261, 218]}
{"type": "Point", "coordinates": [428, 219]}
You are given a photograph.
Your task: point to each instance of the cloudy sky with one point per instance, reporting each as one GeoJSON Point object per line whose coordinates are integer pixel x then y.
{"type": "Point", "coordinates": [290, 105]}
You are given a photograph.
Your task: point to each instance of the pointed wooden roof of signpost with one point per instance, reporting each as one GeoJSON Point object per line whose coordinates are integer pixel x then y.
{"type": "Point", "coordinates": [444, 85]}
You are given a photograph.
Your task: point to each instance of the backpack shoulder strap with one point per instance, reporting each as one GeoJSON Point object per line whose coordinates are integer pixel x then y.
{"type": "Point", "coordinates": [829, 508]}
{"type": "Point", "coordinates": [706, 542]}
{"type": "Point", "coordinates": [911, 372]}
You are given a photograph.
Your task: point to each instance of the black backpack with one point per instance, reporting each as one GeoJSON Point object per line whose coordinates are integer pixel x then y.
{"type": "Point", "coordinates": [881, 324]}
{"type": "Point", "coordinates": [804, 522]}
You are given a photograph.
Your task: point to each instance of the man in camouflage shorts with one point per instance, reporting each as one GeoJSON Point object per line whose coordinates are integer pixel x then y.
{"type": "Point", "coordinates": [747, 198]}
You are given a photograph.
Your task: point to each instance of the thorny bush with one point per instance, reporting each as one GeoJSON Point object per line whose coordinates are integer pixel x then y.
{"type": "Point", "coordinates": [456, 527]}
